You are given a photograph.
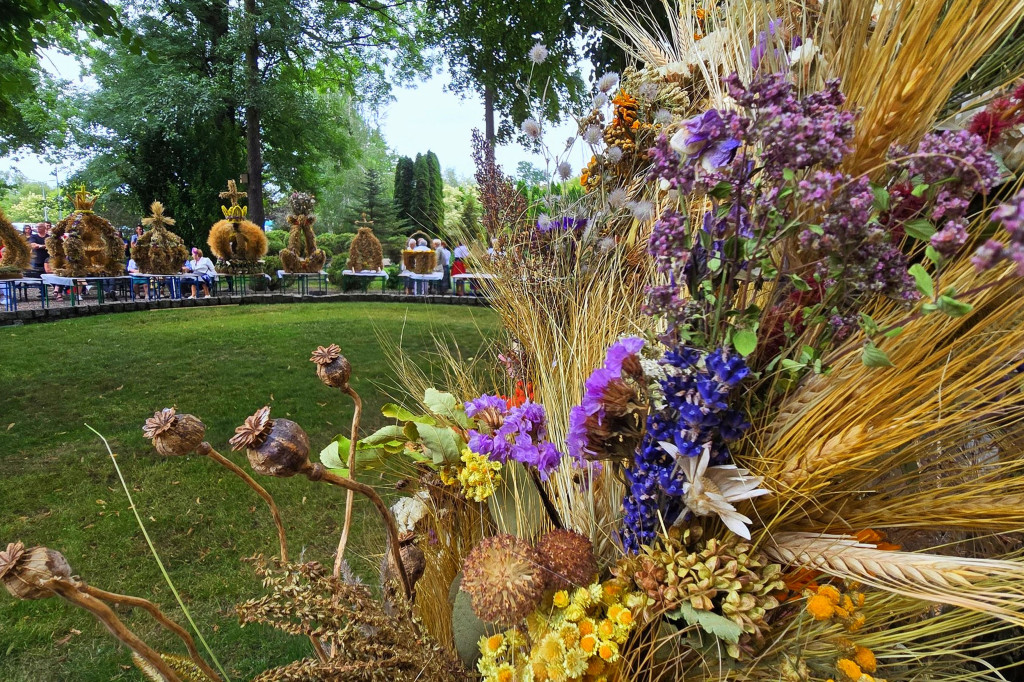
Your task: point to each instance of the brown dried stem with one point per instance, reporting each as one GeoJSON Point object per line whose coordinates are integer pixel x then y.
{"type": "Point", "coordinates": [318, 473]}
{"type": "Point", "coordinates": [207, 450]}
{"type": "Point", "coordinates": [72, 592]}
{"type": "Point", "coordinates": [160, 617]}
{"type": "Point", "coordinates": [350, 495]}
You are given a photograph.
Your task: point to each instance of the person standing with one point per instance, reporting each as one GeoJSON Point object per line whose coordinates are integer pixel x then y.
{"type": "Point", "coordinates": [461, 256]}
{"type": "Point", "coordinates": [444, 256]}
{"type": "Point", "coordinates": [37, 242]}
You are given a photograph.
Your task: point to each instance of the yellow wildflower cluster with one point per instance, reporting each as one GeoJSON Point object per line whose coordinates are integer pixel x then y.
{"type": "Point", "coordinates": [827, 602]}
{"type": "Point", "coordinates": [577, 638]}
{"type": "Point", "coordinates": [479, 476]}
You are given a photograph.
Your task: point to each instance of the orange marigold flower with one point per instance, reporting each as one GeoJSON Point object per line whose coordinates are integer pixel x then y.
{"type": "Point", "coordinates": [820, 607]}
{"type": "Point", "coordinates": [830, 593]}
{"type": "Point", "coordinates": [589, 643]}
{"type": "Point", "coordinates": [865, 658]}
{"type": "Point", "coordinates": [847, 603]}
{"type": "Point", "coordinates": [848, 669]}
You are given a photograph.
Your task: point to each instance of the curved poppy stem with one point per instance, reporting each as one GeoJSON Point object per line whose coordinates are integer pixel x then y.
{"type": "Point", "coordinates": [350, 494]}
{"type": "Point", "coordinates": [207, 450]}
{"type": "Point", "coordinates": [160, 617]}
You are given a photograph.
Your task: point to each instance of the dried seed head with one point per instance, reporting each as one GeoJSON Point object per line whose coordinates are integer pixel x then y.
{"type": "Point", "coordinates": [24, 572]}
{"type": "Point", "coordinates": [568, 559]}
{"type": "Point", "coordinates": [275, 447]}
{"type": "Point", "coordinates": [503, 576]}
{"type": "Point", "coordinates": [174, 434]}
{"type": "Point", "coordinates": [331, 366]}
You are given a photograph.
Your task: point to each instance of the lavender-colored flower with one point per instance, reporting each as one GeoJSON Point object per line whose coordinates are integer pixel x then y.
{"type": "Point", "coordinates": [564, 170]}
{"type": "Point", "coordinates": [1011, 215]}
{"type": "Point", "coordinates": [593, 134]}
{"type": "Point", "coordinates": [614, 154]}
{"type": "Point", "coordinates": [484, 403]}
{"type": "Point", "coordinates": [538, 53]}
{"type": "Point", "coordinates": [608, 82]}
{"type": "Point", "coordinates": [620, 351]}
{"type": "Point", "coordinates": [988, 254]}
{"type": "Point", "coordinates": [531, 128]}
{"type": "Point", "coordinates": [950, 238]}
{"type": "Point", "coordinates": [707, 139]}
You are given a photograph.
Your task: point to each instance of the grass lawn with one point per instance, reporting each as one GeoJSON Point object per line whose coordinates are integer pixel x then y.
{"type": "Point", "coordinates": [58, 487]}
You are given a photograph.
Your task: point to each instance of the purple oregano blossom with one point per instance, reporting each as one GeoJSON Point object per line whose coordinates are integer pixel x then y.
{"type": "Point", "coordinates": [519, 433]}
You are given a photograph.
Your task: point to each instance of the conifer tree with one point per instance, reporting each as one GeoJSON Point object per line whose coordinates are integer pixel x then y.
{"type": "Point", "coordinates": [436, 202]}
{"type": "Point", "coordinates": [421, 196]}
{"type": "Point", "coordinates": [381, 209]}
{"type": "Point", "coordinates": [404, 188]}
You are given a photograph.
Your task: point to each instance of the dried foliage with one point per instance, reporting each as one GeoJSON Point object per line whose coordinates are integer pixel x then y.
{"type": "Point", "coordinates": [367, 640]}
{"type": "Point", "coordinates": [503, 205]}
{"type": "Point", "coordinates": [365, 253]}
{"type": "Point", "coordinates": [238, 245]}
{"type": "Point", "coordinates": [159, 251]}
{"type": "Point", "coordinates": [93, 248]}
{"type": "Point", "coordinates": [16, 250]}
{"type": "Point", "coordinates": [302, 254]}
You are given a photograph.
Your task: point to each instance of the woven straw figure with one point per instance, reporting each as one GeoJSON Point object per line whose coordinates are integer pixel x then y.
{"type": "Point", "coordinates": [16, 250]}
{"type": "Point", "coordinates": [238, 243]}
{"type": "Point", "coordinates": [159, 251]}
{"type": "Point", "coordinates": [302, 254]}
{"type": "Point", "coordinates": [365, 253]}
{"type": "Point", "coordinates": [93, 248]}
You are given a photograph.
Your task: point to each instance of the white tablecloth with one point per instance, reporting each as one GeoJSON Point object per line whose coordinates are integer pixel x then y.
{"type": "Point", "coordinates": [281, 274]}
{"type": "Point", "coordinates": [430, 277]}
{"type": "Point", "coordinates": [365, 273]}
{"type": "Point", "coordinates": [474, 275]}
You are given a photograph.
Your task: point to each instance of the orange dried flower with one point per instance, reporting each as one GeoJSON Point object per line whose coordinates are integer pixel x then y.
{"type": "Point", "coordinates": [820, 607]}
{"type": "Point", "coordinates": [865, 658]}
{"type": "Point", "coordinates": [848, 669]}
{"type": "Point", "coordinates": [830, 593]}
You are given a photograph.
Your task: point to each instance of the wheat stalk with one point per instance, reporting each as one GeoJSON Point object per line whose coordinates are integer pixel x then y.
{"type": "Point", "coordinates": [928, 577]}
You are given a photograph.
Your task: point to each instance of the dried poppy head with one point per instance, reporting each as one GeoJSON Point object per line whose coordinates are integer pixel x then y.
{"type": "Point", "coordinates": [275, 447]}
{"type": "Point", "coordinates": [331, 366]}
{"type": "Point", "coordinates": [24, 572]}
{"type": "Point", "coordinates": [174, 434]}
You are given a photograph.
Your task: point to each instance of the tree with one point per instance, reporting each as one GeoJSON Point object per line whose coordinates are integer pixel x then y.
{"type": "Point", "coordinates": [531, 175]}
{"type": "Point", "coordinates": [421, 196]}
{"type": "Point", "coordinates": [380, 209]}
{"type": "Point", "coordinates": [405, 186]}
{"type": "Point", "coordinates": [435, 211]}
{"type": "Point", "coordinates": [470, 218]}
{"type": "Point", "coordinates": [485, 44]}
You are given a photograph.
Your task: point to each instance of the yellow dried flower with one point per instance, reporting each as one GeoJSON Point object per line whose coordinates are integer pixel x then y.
{"type": "Point", "coordinates": [576, 662]}
{"type": "Point", "coordinates": [587, 626]}
{"type": "Point", "coordinates": [575, 613]}
{"type": "Point", "coordinates": [492, 646]}
{"type": "Point", "coordinates": [561, 599]}
{"type": "Point", "coordinates": [830, 593]}
{"type": "Point", "coordinates": [609, 651]}
{"type": "Point", "coordinates": [624, 618]}
{"type": "Point", "coordinates": [606, 629]}
{"type": "Point", "coordinates": [479, 476]}
{"type": "Point", "coordinates": [582, 597]}
{"type": "Point", "coordinates": [820, 607]}
{"type": "Point", "coordinates": [551, 649]}
{"type": "Point", "coordinates": [589, 643]}
{"type": "Point", "coordinates": [865, 659]}
{"type": "Point", "coordinates": [848, 669]}
{"type": "Point", "coordinates": [504, 673]}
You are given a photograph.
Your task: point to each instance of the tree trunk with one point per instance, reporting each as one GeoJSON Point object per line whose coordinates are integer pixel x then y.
{"type": "Point", "coordinates": [489, 115]}
{"type": "Point", "coordinates": [253, 143]}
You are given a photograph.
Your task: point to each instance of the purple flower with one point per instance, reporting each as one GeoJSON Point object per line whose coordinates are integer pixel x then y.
{"type": "Point", "coordinates": [619, 351]}
{"type": "Point", "coordinates": [708, 139]}
{"type": "Point", "coordinates": [988, 254]}
{"type": "Point", "coordinates": [485, 402]}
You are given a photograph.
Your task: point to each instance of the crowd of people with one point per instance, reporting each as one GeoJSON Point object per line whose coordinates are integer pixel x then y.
{"type": "Point", "coordinates": [449, 264]}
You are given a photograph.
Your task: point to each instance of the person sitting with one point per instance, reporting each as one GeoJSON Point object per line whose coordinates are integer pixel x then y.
{"type": "Point", "coordinates": [139, 284]}
{"type": "Point", "coordinates": [409, 246]}
{"type": "Point", "coordinates": [202, 268]}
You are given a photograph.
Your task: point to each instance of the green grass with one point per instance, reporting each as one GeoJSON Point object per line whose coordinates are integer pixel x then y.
{"type": "Point", "coordinates": [58, 487]}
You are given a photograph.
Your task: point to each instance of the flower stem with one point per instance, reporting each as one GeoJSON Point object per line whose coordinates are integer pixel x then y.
{"type": "Point", "coordinates": [157, 614]}
{"type": "Point", "coordinates": [103, 613]}
{"type": "Point", "coordinates": [389, 523]}
{"type": "Point", "coordinates": [207, 450]}
{"type": "Point", "coordinates": [549, 506]}
{"type": "Point", "coordinates": [350, 495]}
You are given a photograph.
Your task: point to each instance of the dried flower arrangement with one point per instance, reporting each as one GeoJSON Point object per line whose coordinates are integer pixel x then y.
{"type": "Point", "coordinates": [16, 250]}
{"type": "Point", "coordinates": [239, 244]}
{"type": "Point", "coordinates": [302, 254]}
{"type": "Point", "coordinates": [84, 244]}
{"type": "Point", "coordinates": [159, 251]}
{"type": "Point", "coordinates": [365, 253]}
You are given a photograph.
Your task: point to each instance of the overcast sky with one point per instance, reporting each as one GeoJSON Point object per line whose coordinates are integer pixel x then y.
{"type": "Point", "coordinates": [420, 118]}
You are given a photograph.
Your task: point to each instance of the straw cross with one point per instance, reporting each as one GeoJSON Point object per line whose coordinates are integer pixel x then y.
{"type": "Point", "coordinates": [233, 194]}
{"type": "Point", "coordinates": [363, 222]}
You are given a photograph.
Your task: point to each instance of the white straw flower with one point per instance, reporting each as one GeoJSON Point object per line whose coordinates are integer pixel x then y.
{"type": "Point", "coordinates": [564, 170]}
{"type": "Point", "coordinates": [804, 52]}
{"type": "Point", "coordinates": [648, 90]}
{"type": "Point", "coordinates": [593, 134]}
{"type": "Point", "coordinates": [614, 154]}
{"type": "Point", "coordinates": [617, 197]}
{"type": "Point", "coordinates": [642, 210]}
{"type": "Point", "coordinates": [531, 128]}
{"type": "Point", "coordinates": [409, 510]}
{"type": "Point", "coordinates": [711, 491]}
{"type": "Point", "coordinates": [600, 100]}
{"type": "Point", "coordinates": [663, 117]}
{"type": "Point", "coordinates": [608, 82]}
{"type": "Point", "coordinates": [538, 53]}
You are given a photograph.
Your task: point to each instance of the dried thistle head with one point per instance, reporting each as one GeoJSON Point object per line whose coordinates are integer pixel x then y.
{"type": "Point", "coordinates": [275, 447]}
{"type": "Point", "coordinates": [24, 572]}
{"type": "Point", "coordinates": [174, 434]}
{"type": "Point", "coordinates": [331, 366]}
{"type": "Point", "coordinates": [504, 578]}
{"type": "Point", "coordinates": [568, 558]}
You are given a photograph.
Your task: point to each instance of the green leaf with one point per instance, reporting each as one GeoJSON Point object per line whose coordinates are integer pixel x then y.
{"type": "Point", "coordinates": [393, 432]}
{"type": "Point", "coordinates": [446, 405]}
{"type": "Point", "coordinates": [744, 341]}
{"type": "Point", "coordinates": [401, 414]}
{"type": "Point", "coordinates": [881, 198]}
{"type": "Point", "coordinates": [933, 255]}
{"type": "Point", "coordinates": [335, 456]}
{"type": "Point", "coordinates": [953, 307]}
{"type": "Point", "coordinates": [894, 332]}
{"type": "Point", "coordinates": [330, 456]}
{"type": "Point", "coordinates": [868, 324]}
{"type": "Point", "coordinates": [799, 284]}
{"type": "Point", "coordinates": [441, 444]}
{"type": "Point", "coordinates": [923, 280]}
{"type": "Point", "coordinates": [873, 356]}
{"type": "Point", "coordinates": [920, 189]}
{"type": "Point", "coordinates": [919, 228]}
{"type": "Point", "coordinates": [721, 190]}
{"type": "Point", "coordinates": [708, 621]}
{"type": "Point", "coordinates": [788, 175]}
{"type": "Point", "coordinates": [792, 365]}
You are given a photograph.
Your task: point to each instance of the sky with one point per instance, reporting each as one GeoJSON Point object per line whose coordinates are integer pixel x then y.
{"type": "Point", "coordinates": [421, 117]}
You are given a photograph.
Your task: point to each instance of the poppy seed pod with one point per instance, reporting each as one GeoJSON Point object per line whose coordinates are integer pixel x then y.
{"type": "Point", "coordinates": [24, 572]}
{"type": "Point", "coordinates": [275, 447]}
{"type": "Point", "coordinates": [174, 434]}
{"type": "Point", "coordinates": [331, 366]}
